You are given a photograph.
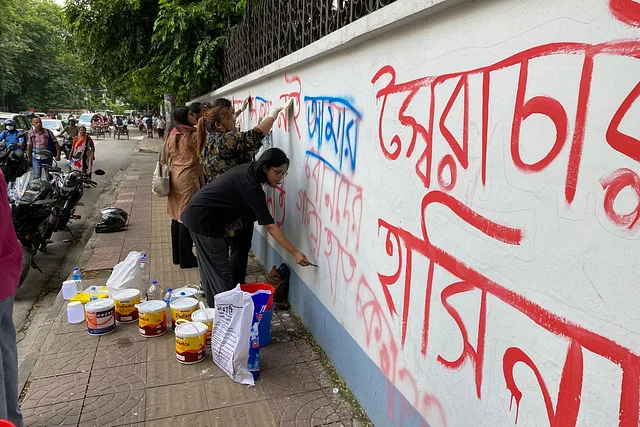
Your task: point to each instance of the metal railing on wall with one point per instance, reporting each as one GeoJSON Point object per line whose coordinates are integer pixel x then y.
{"type": "Point", "coordinates": [276, 28]}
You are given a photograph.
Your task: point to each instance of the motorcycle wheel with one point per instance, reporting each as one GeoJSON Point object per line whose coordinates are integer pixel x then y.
{"type": "Point", "coordinates": [50, 228]}
{"type": "Point", "coordinates": [26, 264]}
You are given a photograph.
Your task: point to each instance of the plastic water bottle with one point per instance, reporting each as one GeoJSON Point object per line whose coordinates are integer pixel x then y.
{"type": "Point", "coordinates": [143, 260]}
{"type": "Point", "coordinates": [167, 301]}
{"type": "Point", "coordinates": [167, 296]}
{"type": "Point", "coordinates": [93, 293]}
{"type": "Point", "coordinates": [154, 292]}
{"type": "Point", "coordinates": [77, 276]}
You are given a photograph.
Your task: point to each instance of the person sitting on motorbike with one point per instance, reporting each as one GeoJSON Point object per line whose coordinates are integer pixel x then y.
{"type": "Point", "coordinates": [71, 129]}
{"type": "Point", "coordinates": [12, 138]}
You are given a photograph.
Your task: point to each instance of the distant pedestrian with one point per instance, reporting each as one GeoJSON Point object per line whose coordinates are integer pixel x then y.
{"type": "Point", "coordinates": [11, 261]}
{"type": "Point", "coordinates": [160, 125]}
{"type": "Point", "coordinates": [148, 121]}
{"type": "Point", "coordinates": [185, 177]}
{"type": "Point", "coordinates": [83, 152]}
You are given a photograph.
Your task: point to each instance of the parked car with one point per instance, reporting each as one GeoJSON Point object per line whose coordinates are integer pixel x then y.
{"type": "Point", "coordinates": [85, 120]}
{"type": "Point", "coordinates": [22, 122]}
{"type": "Point", "coordinates": [55, 126]}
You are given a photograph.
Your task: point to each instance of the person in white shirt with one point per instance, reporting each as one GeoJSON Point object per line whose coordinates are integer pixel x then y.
{"type": "Point", "coordinates": [160, 125]}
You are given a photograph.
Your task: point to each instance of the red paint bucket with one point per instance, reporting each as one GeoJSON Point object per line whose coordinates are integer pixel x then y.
{"type": "Point", "coordinates": [253, 287]}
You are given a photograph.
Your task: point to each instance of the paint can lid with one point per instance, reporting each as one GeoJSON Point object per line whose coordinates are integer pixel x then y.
{"type": "Point", "coordinates": [99, 305]}
{"type": "Point", "coordinates": [190, 292]}
{"type": "Point", "coordinates": [190, 329]}
{"type": "Point", "coordinates": [125, 294]}
{"type": "Point", "coordinates": [184, 303]}
{"type": "Point", "coordinates": [153, 306]}
{"type": "Point", "coordinates": [203, 315]}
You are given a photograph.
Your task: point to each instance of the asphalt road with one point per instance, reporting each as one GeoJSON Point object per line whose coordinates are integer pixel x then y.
{"type": "Point", "coordinates": [36, 296]}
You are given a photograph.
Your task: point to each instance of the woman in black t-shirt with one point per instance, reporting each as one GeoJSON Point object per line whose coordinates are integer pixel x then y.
{"type": "Point", "coordinates": [236, 194]}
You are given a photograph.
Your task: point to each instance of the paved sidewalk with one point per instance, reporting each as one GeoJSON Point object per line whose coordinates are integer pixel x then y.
{"type": "Point", "coordinates": [123, 379]}
{"type": "Point", "coordinates": [150, 145]}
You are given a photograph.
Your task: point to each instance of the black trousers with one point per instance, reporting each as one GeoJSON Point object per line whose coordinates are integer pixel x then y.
{"type": "Point", "coordinates": [213, 263]}
{"type": "Point", "coordinates": [240, 245]}
{"type": "Point", "coordinates": [182, 246]}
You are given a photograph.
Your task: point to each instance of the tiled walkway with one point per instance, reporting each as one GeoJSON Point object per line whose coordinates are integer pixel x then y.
{"type": "Point", "coordinates": [124, 379]}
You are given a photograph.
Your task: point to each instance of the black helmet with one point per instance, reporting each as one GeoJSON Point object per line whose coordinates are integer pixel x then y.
{"type": "Point", "coordinates": [111, 220]}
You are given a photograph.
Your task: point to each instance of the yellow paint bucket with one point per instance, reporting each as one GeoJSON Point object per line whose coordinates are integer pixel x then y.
{"type": "Point", "coordinates": [205, 316]}
{"type": "Point", "coordinates": [126, 301]}
{"type": "Point", "coordinates": [152, 321]}
{"type": "Point", "coordinates": [190, 341]}
{"type": "Point", "coordinates": [182, 308]}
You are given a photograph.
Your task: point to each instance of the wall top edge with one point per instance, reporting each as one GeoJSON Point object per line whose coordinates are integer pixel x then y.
{"type": "Point", "coordinates": [379, 22]}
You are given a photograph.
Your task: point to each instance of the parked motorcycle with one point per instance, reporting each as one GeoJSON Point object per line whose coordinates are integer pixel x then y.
{"type": "Point", "coordinates": [31, 221]}
{"type": "Point", "coordinates": [67, 190]}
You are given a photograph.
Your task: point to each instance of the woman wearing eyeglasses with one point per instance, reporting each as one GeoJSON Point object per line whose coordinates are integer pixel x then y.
{"type": "Point", "coordinates": [224, 149]}
{"type": "Point", "coordinates": [235, 194]}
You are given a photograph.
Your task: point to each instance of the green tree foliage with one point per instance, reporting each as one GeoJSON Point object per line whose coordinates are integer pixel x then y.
{"type": "Point", "coordinates": [37, 67]}
{"type": "Point", "coordinates": [146, 48]}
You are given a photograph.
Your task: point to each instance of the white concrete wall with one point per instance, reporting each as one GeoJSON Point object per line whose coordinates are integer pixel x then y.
{"type": "Point", "coordinates": [469, 184]}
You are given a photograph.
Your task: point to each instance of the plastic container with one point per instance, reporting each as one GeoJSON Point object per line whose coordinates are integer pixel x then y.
{"type": "Point", "coordinates": [69, 289]}
{"type": "Point", "coordinates": [260, 298]}
{"type": "Point", "coordinates": [253, 287]}
{"type": "Point", "coordinates": [126, 301]}
{"type": "Point", "coordinates": [205, 316]}
{"type": "Point", "coordinates": [182, 308]}
{"type": "Point", "coordinates": [83, 297]}
{"type": "Point", "coordinates": [152, 319]}
{"type": "Point", "coordinates": [264, 328]}
{"type": "Point", "coordinates": [75, 312]}
{"type": "Point", "coordinates": [190, 341]}
{"type": "Point", "coordinates": [100, 316]}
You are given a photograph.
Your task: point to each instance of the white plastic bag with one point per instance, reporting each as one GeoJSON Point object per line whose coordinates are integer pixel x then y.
{"type": "Point", "coordinates": [231, 329]}
{"type": "Point", "coordinates": [128, 274]}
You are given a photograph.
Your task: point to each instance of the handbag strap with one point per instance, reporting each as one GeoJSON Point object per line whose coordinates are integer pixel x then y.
{"type": "Point", "coordinates": [164, 148]}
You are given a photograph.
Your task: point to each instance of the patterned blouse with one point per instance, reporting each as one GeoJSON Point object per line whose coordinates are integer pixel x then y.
{"type": "Point", "coordinates": [222, 151]}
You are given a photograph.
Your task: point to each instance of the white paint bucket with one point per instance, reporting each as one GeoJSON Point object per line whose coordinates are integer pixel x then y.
{"type": "Point", "coordinates": [126, 301]}
{"type": "Point", "coordinates": [152, 319]}
{"type": "Point", "coordinates": [101, 317]}
{"type": "Point", "coordinates": [190, 341]}
{"type": "Point", "coordinates": [182, 308]}
{"type": "Point", "coordinates": [205, 316]}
